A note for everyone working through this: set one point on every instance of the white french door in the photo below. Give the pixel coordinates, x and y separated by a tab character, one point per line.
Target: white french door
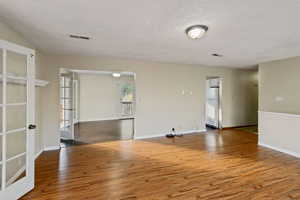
66	103
17	95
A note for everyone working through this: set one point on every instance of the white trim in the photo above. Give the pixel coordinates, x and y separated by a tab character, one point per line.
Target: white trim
102	72
16	130
41	83
16	104
51	148
23	80
279	149
16	156
164	134
4	108
106	119
240	126
15	48
16	176
279	113
39	153
150	136
193	131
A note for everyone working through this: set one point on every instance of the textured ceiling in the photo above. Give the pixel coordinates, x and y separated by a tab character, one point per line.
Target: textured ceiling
246	32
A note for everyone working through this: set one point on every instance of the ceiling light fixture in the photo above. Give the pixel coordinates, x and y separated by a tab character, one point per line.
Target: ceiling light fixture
196	31
116	75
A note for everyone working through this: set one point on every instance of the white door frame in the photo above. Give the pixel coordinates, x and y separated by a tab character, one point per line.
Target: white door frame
24	185
220	113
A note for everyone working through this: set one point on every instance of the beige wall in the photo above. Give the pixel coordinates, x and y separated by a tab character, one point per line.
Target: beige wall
244	85
160	103
279	86
279	103
100	96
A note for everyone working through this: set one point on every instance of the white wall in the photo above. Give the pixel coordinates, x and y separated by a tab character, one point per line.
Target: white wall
100	96
280	131
160	103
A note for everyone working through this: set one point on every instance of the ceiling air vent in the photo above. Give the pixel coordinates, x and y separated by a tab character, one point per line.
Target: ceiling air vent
217	55
80	37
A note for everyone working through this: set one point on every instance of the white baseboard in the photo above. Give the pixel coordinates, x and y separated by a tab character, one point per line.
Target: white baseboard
51	148
193	131
150	136
279	149
164	134
239	126
105	119
39	153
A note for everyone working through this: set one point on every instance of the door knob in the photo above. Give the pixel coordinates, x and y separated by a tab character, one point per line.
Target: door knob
32	126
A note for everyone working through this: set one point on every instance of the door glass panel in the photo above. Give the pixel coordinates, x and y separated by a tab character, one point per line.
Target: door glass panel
16	93
67	115
1	70
65	93
15	169
1	130
16	64
15	144
0	176
1	116
1	59
16	138
67	104
15	117
67	82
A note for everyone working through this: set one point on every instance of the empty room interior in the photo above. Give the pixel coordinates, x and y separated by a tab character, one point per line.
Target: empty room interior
148	100
96	106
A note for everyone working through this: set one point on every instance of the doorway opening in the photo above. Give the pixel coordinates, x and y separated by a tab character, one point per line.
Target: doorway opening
213	108
96	106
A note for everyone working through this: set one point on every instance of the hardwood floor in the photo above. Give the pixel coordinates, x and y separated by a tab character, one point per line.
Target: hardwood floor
214	165
102	131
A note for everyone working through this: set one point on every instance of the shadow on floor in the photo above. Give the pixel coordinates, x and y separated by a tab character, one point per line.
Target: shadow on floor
101	131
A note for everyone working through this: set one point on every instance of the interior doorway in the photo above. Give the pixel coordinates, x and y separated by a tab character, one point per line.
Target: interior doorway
213	108
96	106
67	110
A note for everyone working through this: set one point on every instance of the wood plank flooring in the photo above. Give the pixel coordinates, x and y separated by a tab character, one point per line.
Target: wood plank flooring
214	165
102	131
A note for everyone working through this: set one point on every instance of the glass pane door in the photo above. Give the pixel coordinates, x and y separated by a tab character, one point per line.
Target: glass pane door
15	103
17	94
66	106
1	116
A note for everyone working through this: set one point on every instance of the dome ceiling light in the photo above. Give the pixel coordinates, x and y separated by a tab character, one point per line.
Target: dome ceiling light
196	32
